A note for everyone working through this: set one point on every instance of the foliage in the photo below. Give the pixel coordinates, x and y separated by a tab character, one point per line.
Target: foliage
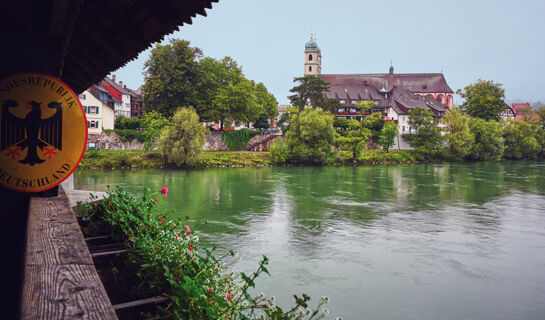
99	159
331	105
488	141
171	76
182	141
169	259
374	121
236	140
131	134
154	123
213	75
285	119
387	136
279	152
521	140
122	123
354	138
310	137
428	136
459	138
483	99
340	123
541	113
236	102
310	90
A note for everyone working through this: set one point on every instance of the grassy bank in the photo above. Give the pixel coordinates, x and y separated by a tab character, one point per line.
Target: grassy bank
117	159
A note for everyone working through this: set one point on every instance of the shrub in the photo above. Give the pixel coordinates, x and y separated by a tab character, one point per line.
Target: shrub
236	140
131	134
123	123
169	260
488	142
181	143
521	140
279	152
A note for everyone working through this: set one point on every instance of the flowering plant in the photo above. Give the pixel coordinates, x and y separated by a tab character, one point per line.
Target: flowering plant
170	259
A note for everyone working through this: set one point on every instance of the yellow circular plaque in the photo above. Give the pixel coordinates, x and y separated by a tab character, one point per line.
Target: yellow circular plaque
43	132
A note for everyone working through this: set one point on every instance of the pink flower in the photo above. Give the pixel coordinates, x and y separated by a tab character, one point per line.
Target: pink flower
186	235
164	191
215	265
191	248
155	201
187	229
176	238
211	290
229	296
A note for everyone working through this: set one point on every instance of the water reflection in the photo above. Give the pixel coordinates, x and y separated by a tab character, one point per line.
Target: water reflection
449	241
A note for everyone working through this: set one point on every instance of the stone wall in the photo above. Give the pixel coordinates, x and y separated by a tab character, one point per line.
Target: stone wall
112	141
214	142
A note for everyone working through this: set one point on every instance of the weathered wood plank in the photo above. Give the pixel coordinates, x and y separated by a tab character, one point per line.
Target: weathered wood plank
137	303
64	292
53	234
60	279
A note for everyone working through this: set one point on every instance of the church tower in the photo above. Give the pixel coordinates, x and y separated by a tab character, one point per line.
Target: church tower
313	58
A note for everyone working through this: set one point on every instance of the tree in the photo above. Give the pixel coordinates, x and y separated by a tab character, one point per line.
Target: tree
428	135
214	74
483	99
181	143
310	137
236	102
171	75
459	137
268	104
331	105
541	113
309	91
354	138
521	140
488	141
154	123
387	137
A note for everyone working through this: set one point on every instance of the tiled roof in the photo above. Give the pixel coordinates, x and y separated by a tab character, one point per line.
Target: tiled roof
415	82
118	87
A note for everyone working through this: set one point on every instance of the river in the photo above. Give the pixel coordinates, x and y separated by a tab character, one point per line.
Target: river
422	241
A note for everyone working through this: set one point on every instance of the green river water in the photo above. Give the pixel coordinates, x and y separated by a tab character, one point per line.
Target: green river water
423	241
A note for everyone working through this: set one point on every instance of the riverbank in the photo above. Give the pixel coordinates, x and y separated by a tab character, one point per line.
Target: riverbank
143	159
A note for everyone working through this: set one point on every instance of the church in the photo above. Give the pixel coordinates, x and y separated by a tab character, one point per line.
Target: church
395	93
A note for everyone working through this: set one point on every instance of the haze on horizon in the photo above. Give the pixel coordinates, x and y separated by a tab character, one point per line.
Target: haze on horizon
493	40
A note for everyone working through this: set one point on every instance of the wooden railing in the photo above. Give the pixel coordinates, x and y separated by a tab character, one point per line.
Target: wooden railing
60	279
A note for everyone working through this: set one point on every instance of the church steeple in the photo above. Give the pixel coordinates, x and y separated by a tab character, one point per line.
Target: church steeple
313	57
391	68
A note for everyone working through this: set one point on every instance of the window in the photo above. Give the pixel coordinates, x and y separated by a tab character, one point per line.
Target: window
310	68
82	97
309	57
354	101
342	101
403	129
91	110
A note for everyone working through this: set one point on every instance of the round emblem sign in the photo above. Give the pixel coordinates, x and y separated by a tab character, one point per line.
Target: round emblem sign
43	132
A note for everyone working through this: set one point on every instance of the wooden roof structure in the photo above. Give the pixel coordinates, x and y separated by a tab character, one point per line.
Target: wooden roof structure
81	41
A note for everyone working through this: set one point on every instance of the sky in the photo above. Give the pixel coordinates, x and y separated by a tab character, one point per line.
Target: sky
497	40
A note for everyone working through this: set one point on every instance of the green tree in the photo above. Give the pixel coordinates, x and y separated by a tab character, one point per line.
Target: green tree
388	134
541	113
214	74
310	137
268	104
459	137
182	141
310	90
354	138
521	140
483	99
428	136
236	102
171	75
154	123
331	105
488	141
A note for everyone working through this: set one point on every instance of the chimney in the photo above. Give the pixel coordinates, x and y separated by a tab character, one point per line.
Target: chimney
121	84
113	77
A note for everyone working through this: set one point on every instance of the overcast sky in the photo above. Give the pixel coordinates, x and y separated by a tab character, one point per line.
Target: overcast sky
497	40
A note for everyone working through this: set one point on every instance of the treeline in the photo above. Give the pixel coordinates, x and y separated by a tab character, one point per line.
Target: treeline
178	75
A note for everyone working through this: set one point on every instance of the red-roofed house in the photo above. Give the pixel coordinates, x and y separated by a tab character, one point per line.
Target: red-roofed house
523	112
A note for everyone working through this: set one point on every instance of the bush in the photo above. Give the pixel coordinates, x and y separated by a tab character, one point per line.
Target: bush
310	137
123	123
521	140
236	140
488	142
279	152
181	143
131	134
170	261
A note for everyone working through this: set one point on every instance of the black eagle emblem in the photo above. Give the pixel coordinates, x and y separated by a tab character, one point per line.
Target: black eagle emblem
32	131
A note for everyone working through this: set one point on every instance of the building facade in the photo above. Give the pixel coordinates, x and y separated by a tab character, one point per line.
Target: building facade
395	94
97	111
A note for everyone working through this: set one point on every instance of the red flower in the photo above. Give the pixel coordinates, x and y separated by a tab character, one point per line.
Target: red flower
155	201
191	248
176	238
164	191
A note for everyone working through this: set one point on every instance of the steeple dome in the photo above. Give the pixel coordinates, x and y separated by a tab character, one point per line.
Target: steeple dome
311	44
